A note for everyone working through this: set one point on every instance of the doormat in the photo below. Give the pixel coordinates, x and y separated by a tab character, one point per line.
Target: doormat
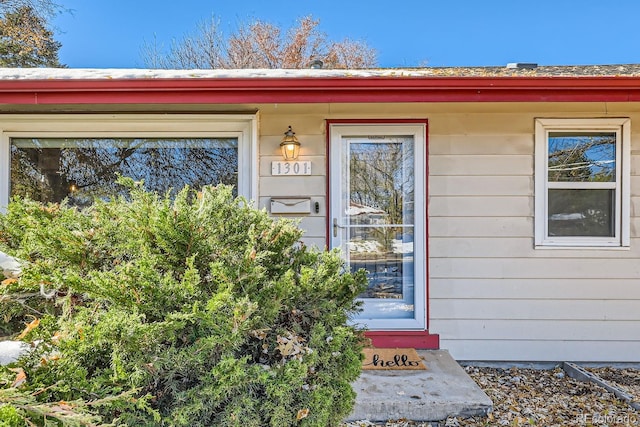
392	359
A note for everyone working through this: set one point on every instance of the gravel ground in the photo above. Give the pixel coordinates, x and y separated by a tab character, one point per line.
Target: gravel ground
548	398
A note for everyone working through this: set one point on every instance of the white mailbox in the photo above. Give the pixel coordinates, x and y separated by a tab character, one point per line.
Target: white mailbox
290	205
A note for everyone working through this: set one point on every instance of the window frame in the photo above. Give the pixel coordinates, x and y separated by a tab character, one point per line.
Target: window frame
622	128
244	127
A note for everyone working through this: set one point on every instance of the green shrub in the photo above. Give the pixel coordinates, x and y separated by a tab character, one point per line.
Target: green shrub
192	311
10	417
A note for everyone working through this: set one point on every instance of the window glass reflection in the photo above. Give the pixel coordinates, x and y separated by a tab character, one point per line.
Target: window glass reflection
581	212
378	222
81	169
386	254
582	157
381	181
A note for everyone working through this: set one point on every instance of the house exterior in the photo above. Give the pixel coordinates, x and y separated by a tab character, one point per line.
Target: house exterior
494	209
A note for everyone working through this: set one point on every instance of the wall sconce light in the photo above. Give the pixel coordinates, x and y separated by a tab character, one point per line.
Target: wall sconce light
290	145
73	187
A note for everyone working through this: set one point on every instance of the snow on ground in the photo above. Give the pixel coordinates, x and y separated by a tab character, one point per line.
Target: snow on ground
9	266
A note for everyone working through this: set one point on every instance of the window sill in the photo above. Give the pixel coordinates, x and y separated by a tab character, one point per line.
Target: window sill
582	247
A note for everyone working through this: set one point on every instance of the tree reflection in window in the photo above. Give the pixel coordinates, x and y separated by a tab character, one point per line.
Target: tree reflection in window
381	177
581	184
381	213
582	157
81	169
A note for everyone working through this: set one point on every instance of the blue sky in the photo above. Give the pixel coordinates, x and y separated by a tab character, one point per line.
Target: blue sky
110	33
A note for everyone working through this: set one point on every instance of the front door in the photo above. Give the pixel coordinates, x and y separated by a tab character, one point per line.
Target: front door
378	217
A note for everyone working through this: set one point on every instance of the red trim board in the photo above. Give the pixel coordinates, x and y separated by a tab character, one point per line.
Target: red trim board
320	90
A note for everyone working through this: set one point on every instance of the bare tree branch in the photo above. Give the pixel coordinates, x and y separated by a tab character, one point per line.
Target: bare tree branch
258	44
44	9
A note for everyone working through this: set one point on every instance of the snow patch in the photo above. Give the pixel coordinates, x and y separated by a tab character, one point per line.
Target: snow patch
139	73
10	266
10	351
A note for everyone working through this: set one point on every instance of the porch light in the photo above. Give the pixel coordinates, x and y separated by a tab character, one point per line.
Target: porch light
290	145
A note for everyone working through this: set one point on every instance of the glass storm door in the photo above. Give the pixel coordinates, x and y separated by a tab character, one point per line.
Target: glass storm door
378	217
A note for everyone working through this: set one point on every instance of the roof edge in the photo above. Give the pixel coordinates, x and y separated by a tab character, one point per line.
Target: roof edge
329	88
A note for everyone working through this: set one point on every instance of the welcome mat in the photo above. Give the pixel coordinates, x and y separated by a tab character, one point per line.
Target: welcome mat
392	359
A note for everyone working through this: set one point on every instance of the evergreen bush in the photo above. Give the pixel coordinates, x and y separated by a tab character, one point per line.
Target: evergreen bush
193	310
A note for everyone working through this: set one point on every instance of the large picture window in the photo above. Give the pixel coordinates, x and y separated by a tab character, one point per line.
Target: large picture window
582	180
82	169
79	165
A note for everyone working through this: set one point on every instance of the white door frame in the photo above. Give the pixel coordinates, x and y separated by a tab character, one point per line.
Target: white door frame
337	168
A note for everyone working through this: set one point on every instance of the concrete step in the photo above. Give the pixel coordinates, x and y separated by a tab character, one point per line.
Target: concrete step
443	390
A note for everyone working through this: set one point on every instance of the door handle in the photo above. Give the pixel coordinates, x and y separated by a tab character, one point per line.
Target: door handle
336	226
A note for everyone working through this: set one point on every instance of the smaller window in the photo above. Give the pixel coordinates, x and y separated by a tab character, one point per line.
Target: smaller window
582	182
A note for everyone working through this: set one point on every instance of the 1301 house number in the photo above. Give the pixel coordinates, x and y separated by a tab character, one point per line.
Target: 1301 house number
291	168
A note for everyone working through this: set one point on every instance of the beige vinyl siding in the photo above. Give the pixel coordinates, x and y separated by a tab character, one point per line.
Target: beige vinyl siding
516	186
546	329
310	132
492	295
534	289
482	165
518	247
515	349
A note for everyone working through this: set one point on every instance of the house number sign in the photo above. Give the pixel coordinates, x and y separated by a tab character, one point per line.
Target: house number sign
291	168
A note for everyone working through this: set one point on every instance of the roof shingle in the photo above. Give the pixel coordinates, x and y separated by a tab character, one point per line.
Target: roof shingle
620	70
